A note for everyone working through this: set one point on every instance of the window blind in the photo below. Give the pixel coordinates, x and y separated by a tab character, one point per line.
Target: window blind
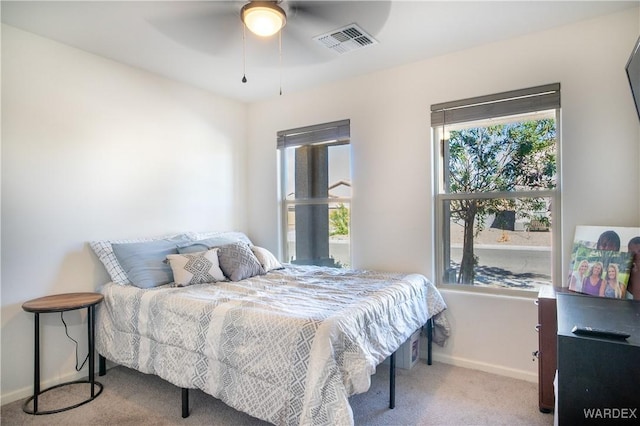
507	103
338	131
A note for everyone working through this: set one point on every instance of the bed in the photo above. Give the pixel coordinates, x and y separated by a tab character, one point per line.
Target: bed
288	345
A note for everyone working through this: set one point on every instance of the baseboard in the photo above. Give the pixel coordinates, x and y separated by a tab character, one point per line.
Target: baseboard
488	368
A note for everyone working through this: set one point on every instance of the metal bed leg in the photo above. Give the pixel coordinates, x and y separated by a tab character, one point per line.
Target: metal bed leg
392	381
185	403
102	365
429	339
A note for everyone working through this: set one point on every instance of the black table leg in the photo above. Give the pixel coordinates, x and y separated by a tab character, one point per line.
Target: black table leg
36	366
91	330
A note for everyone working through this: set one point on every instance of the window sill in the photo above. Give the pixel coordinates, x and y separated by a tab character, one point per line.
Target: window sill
489	291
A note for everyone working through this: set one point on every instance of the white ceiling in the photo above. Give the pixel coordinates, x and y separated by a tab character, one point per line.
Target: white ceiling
200	43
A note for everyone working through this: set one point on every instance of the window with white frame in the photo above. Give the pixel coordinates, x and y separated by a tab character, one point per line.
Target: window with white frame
497	189
315	181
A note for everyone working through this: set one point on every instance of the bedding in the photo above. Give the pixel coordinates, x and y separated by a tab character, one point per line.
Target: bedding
145	253
289	346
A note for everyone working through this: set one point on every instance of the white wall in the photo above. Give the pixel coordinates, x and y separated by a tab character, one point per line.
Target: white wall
93	149
392	154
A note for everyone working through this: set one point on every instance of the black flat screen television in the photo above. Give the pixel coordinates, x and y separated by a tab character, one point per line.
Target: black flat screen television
633	73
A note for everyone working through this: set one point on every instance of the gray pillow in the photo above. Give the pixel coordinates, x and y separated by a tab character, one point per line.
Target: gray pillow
238	262
204	245
144	263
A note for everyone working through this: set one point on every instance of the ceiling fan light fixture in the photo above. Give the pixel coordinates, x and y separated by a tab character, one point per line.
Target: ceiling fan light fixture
263	18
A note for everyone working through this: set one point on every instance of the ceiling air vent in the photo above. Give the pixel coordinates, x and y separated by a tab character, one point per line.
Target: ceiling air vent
346	39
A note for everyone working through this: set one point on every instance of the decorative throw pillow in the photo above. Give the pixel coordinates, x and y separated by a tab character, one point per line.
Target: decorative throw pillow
195	268
238	262
266	259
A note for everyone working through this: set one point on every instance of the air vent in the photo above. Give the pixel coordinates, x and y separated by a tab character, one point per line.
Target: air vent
346	39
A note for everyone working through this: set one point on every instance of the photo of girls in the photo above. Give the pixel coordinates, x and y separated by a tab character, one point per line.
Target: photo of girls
602	262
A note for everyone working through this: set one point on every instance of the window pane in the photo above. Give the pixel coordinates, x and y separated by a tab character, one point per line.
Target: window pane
289	157
318	171
516	153
319	234
506	243
340	171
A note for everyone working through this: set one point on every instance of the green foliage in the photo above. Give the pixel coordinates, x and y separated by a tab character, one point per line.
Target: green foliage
505	157
339	220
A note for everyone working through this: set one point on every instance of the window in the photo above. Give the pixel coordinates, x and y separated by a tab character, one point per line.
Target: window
497	198
315	178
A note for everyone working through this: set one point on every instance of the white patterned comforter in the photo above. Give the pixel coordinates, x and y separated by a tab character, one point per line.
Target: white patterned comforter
288	347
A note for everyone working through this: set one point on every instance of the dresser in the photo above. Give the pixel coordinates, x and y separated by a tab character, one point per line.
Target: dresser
598	378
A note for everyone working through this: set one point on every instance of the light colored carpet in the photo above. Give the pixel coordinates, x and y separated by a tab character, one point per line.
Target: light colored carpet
439	394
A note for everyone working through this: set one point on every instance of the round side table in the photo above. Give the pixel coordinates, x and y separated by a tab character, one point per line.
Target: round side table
63	303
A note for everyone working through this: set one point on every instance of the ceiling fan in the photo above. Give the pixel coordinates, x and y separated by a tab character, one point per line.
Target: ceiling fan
216	28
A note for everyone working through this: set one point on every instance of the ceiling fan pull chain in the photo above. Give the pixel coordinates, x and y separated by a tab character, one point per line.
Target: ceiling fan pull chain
244	54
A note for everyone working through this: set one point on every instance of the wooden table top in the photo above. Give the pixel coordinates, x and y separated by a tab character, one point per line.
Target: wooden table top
62	302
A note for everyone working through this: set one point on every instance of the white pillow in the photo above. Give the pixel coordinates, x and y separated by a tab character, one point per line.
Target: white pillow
195	268
266	259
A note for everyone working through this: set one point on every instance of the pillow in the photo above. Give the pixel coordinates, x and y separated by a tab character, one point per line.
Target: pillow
204	245
230	235
104	250
195	268
144	263
266	259
238	262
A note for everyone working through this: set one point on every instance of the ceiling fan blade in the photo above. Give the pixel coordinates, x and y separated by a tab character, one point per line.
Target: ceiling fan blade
325	16
213	28
298	48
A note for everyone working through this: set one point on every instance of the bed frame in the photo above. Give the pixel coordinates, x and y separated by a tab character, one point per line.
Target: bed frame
102	370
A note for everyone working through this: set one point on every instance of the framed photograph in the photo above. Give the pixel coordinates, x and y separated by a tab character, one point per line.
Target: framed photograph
601	260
